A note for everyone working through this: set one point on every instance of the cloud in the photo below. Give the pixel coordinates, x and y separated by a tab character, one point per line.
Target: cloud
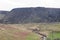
10	4
51	3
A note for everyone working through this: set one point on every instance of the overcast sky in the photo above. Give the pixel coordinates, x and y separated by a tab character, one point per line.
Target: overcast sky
10	4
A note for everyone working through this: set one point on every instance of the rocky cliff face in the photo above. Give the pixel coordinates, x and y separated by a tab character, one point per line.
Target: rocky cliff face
30	15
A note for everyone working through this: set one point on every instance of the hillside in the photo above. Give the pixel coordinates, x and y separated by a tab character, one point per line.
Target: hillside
31	15
23	32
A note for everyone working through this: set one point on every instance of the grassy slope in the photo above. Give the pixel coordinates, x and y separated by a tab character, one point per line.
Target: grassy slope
54	35
19	31
15	32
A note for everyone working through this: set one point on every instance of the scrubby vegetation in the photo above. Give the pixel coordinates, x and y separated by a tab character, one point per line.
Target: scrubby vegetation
22	31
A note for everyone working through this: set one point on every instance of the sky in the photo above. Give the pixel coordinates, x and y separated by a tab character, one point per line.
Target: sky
10	4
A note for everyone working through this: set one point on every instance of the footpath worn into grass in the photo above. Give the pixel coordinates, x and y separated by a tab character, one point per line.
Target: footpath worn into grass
20	31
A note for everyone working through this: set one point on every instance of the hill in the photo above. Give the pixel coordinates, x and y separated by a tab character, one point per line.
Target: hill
32	15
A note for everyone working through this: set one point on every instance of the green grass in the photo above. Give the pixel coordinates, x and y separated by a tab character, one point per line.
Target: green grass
54	35
32	36
13	31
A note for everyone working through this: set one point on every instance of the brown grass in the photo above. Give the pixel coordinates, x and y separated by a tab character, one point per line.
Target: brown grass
20	31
